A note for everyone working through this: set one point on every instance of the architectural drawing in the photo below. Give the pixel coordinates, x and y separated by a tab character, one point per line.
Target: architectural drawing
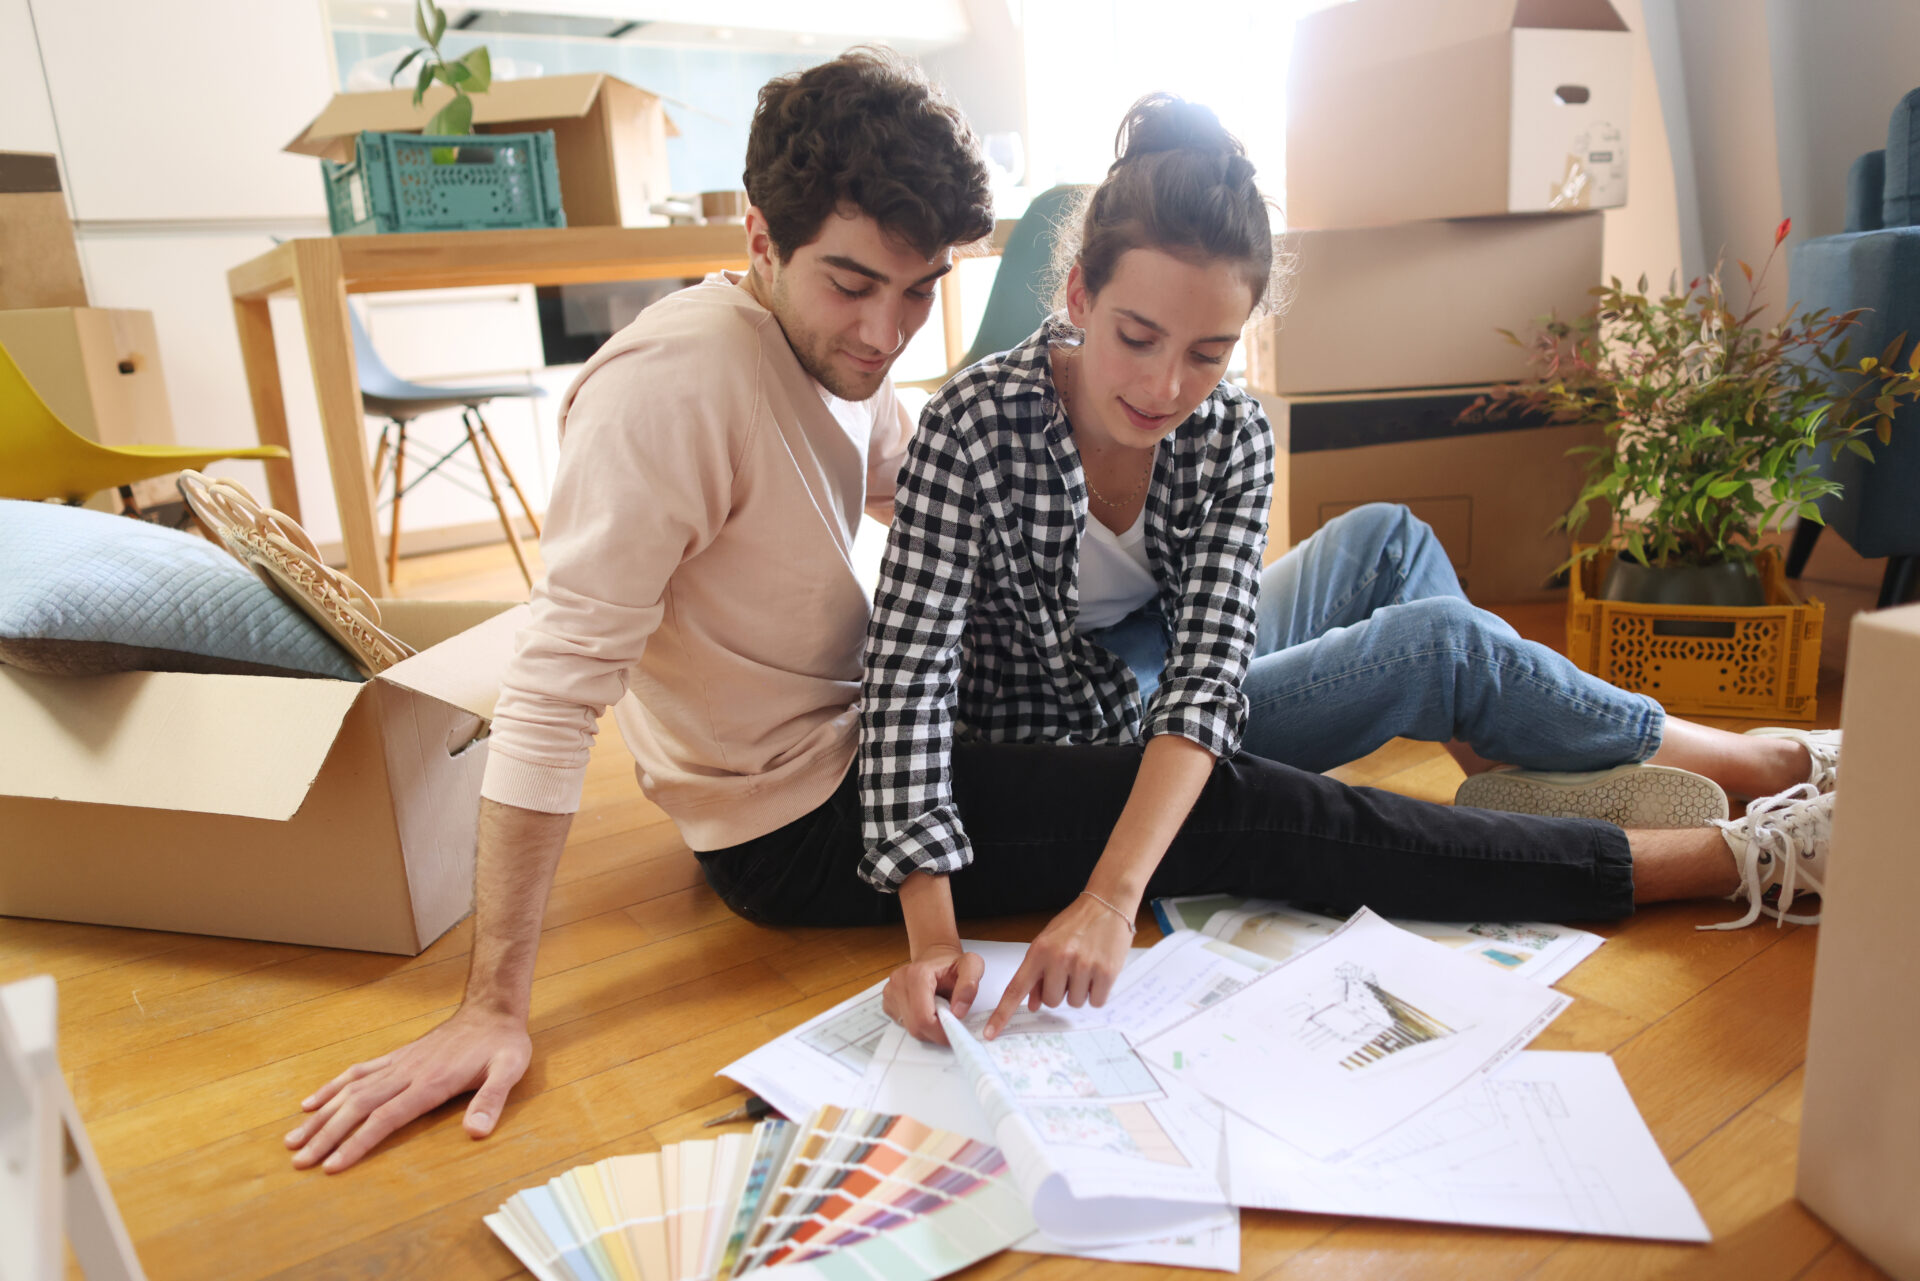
1362	1019
849	1038
1121	1129
1092	1064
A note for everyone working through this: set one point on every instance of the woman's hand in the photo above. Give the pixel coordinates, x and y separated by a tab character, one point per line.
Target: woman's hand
941	969
1076	958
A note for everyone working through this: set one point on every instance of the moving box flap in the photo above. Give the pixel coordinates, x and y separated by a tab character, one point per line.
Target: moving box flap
332	133
463	670
248	746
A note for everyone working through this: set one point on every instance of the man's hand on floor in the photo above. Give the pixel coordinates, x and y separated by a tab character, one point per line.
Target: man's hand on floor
474	1050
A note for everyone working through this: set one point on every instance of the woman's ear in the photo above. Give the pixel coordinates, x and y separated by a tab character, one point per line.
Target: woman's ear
1079	301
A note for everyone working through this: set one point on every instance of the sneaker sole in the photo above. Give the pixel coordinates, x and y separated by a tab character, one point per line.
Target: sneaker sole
1632	796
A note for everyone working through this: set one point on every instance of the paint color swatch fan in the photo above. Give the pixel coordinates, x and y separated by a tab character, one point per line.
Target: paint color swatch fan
850	1193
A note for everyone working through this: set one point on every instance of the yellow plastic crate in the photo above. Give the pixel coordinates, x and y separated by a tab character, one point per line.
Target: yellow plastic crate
1702	660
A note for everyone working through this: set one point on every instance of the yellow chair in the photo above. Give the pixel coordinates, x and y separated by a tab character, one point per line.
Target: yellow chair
41	457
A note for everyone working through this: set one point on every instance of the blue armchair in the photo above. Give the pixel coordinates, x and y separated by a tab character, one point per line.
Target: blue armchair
1874	263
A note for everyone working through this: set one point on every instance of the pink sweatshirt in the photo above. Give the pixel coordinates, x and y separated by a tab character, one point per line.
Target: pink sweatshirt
698	575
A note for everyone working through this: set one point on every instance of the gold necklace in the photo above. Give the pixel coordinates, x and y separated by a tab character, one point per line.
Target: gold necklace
1111	504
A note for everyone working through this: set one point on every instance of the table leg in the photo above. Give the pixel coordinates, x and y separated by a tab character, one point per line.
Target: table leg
322	290
262	363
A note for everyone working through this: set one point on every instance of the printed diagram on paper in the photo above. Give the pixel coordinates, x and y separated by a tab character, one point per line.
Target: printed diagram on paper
1350	1037
1041	1068
1551	1141
1360	1023
848	1036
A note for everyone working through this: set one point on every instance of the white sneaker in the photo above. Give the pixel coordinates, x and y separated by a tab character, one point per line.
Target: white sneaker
1782	841
1823	745
1637	796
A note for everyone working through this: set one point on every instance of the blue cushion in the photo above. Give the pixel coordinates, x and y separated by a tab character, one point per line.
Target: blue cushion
83	591
1900	203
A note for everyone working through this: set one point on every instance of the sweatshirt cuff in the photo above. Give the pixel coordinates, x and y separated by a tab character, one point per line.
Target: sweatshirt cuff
546	789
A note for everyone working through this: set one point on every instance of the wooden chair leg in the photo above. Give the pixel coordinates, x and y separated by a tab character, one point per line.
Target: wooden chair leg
506	521
380	459
486	434
399	477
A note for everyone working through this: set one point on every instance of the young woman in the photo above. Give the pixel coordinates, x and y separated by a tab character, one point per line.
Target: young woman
1074	562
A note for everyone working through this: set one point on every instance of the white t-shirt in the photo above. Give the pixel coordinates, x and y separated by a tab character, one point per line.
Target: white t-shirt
1116	577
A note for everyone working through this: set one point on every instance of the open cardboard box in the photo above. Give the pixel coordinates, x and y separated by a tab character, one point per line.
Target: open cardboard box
308	811
39	262
609	137
1400	110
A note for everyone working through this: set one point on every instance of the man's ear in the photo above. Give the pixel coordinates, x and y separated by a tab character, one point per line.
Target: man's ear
760	251
1079	301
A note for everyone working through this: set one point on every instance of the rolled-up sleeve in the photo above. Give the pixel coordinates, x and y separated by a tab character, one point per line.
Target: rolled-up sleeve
1213	623
910	689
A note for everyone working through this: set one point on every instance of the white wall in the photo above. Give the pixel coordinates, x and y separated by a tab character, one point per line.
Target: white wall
1839	66
26	118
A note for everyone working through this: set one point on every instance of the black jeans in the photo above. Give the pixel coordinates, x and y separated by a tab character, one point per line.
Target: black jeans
1039	817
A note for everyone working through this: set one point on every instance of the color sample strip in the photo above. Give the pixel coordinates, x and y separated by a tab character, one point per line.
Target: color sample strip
852	1194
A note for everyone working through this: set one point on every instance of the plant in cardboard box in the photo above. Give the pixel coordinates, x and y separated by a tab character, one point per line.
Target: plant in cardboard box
1712	419
470	73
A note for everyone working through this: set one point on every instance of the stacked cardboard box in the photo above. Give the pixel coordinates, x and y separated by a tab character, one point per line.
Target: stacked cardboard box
1446	162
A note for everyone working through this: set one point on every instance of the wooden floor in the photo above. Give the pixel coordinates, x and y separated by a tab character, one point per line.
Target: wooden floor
188	1057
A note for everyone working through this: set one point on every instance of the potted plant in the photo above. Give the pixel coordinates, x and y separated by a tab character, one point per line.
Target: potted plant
470	73
1712	418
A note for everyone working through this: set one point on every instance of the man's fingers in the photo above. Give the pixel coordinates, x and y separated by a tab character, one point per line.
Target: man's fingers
320	1096
381	1122
967	986
353	1107
503	1073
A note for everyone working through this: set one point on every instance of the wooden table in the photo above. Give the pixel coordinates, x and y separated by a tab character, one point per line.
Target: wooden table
321	272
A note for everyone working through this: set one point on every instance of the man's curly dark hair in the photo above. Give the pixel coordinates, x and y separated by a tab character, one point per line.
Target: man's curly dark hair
867	130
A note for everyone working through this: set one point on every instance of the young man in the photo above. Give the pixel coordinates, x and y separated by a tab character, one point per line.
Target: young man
718	455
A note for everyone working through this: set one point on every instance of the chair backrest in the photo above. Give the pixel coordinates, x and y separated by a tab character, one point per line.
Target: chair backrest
1018	301
1900	206
40	456
375	378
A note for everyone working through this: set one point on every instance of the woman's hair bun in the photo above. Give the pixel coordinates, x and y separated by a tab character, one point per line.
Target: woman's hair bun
1163	122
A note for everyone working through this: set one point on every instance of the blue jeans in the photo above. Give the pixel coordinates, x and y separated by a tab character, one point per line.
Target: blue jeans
1364	635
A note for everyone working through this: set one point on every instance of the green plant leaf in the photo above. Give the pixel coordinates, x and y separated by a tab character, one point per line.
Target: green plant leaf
1860	447
422	82
439	24
420	19
411	55
452	73
480	64
454	118
1725	488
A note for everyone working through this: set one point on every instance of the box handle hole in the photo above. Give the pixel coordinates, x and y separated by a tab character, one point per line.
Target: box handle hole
1572	95
1700	628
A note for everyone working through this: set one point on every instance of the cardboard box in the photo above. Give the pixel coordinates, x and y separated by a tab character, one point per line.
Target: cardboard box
1860	1115
39	263
1490	491
1420	304
610	138
1400	110
99	370
313	811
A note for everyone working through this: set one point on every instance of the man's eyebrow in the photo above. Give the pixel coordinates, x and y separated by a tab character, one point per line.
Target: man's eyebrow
859	268
1139	319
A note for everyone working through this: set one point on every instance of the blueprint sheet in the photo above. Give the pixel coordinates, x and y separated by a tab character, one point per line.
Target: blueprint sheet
1550	1141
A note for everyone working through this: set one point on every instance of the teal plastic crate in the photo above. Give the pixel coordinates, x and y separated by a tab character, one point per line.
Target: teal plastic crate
422	182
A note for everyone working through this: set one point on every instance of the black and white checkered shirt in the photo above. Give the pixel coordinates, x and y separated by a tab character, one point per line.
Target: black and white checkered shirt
973	631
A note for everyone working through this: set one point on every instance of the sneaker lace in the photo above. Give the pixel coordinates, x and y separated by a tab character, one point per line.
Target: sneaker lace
1825	755
1774	833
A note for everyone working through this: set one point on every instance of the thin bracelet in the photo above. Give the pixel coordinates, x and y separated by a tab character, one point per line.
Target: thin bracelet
1111	908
